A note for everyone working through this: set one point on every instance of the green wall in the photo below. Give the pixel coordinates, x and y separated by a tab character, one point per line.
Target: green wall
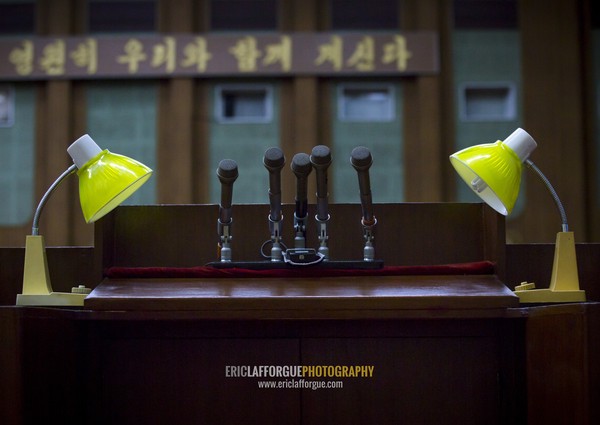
246	144
17	160
384	140
121	117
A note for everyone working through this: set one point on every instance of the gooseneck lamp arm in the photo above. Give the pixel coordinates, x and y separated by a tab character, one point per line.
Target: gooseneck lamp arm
561	209
35	229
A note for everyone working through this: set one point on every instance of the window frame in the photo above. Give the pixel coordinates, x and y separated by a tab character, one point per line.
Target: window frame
218	104
9	90
510	111
390	113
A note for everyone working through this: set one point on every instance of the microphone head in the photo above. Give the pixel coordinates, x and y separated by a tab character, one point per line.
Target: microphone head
320	156
227	171
361	158
301	165
274	159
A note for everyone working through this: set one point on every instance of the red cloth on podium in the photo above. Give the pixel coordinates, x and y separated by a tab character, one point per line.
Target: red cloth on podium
473	268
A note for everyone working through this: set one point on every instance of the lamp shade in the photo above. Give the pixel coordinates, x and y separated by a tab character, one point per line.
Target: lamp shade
106	179
493	170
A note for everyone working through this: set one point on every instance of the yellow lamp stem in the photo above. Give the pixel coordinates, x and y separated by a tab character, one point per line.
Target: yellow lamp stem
106	180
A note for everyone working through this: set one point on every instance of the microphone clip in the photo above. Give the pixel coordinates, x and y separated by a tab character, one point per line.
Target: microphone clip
369	235
323	236
300	231
276	250
224	232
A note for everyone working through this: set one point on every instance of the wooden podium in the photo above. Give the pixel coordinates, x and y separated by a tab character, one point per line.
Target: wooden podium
154	347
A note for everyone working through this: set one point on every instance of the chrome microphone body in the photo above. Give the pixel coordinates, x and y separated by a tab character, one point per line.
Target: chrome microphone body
301	167
274	160
227	172
320	159
361	160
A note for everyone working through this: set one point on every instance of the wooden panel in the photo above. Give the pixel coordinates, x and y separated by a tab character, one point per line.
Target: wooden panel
456	376
174	116
552	114
557	365
422	115
406	234
117	368
174	159
53	362
11	384
156	378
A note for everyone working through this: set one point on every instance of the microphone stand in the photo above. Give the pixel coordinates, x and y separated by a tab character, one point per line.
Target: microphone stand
323	236
301	167
300	230
369	235
227	172
361	160
274	160
321	159
224	231
276	251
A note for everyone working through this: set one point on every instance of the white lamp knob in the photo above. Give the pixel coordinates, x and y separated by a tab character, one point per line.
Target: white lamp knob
82	150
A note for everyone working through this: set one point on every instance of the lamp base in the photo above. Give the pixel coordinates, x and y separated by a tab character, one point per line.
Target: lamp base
37	289
52	299
564	284
533	296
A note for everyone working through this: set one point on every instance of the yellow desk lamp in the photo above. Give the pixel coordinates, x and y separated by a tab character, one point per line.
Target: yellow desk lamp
105	180
493	172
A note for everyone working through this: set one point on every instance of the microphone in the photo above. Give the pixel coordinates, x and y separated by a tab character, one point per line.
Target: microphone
321	159
361	160
227	173
301	167
274	161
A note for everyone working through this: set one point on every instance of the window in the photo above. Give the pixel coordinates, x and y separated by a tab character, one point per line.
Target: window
248	103
487	102
17	155
7	105
17	18
106	16
364	14
365	102
243	15
485	14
